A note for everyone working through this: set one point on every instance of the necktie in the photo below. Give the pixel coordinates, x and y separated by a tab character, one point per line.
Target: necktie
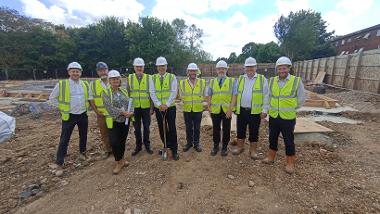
220	82
162	79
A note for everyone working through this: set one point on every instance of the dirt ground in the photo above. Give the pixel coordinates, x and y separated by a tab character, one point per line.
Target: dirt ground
343	180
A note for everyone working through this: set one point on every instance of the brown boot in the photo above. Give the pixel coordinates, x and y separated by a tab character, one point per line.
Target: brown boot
253	150
119	166
239	147
270	157
289	168
234	142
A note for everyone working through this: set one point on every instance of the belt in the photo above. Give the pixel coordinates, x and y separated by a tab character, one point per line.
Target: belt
246	109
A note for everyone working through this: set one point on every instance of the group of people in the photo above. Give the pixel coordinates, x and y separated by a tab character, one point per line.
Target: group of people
250	96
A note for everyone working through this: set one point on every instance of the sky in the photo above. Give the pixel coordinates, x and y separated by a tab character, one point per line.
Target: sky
227	24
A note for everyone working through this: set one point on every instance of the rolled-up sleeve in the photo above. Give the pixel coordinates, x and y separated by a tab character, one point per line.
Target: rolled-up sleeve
266	96
301	95
235	87
208	89
173	91
112	111
152	92
53	98
90	95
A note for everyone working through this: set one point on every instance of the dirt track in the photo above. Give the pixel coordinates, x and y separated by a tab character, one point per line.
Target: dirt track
346	180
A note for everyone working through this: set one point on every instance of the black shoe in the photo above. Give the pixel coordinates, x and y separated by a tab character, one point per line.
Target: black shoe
198	148
160	152
187	147
224	152
214	151
149	150
175	156
134	153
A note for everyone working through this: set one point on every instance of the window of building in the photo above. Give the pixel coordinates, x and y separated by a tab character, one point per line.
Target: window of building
355	50
378	46
349	40
343	42
361	49
358	37
366	36
342	53
378	33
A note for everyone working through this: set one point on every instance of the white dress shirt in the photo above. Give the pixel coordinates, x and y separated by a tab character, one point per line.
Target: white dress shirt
300	92
77	99
173	91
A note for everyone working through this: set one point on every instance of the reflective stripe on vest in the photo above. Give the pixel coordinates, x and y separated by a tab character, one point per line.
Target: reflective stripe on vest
97	90
139	91
221	96
163	91
257	100
283	101
64	98
192	98
108	92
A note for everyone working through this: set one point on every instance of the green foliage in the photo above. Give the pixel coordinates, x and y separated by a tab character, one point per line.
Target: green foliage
304	27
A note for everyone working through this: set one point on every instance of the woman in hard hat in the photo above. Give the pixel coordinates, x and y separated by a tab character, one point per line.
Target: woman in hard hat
286	95
118	112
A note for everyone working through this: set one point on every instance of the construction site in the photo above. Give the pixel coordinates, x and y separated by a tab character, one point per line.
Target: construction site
338	166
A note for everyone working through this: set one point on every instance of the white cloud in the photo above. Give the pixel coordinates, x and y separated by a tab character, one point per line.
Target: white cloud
351	15
63	11
284	7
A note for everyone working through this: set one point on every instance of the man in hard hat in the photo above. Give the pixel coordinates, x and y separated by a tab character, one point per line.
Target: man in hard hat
97	88
73	98
286	94
251	106
221	104
192	91
163	90
138	87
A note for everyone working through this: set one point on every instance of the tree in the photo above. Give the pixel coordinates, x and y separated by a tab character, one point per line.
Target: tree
304	27
232	58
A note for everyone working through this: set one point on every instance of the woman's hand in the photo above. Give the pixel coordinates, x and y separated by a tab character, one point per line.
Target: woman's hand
127	114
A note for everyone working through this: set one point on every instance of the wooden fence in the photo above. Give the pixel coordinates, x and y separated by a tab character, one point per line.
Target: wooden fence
359	71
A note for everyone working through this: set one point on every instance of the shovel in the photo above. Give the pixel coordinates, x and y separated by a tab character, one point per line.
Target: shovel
165	155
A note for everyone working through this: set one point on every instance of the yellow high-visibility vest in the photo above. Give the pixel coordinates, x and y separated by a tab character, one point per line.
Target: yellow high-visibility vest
284	101
108	92
257	94
192	97
97	90
139	91
163	91
221	96
64	98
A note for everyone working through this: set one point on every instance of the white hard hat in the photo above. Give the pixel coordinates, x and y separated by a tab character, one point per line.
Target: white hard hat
192	66
283	61
138	62
250	61
161	61
113	73
74	65
221	64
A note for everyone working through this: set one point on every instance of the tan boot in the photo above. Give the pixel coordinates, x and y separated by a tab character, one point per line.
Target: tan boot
253	150
234	142
118	166
270	157
290	160
239	147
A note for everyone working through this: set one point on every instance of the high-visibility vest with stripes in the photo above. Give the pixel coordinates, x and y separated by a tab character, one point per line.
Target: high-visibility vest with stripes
64	98
97	90
108	92
283	101
192	97
163	90
257	100
139	91
221	96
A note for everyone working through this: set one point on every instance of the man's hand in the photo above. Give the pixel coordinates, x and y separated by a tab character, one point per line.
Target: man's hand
229	114
128	114
163	107
263	115
151	111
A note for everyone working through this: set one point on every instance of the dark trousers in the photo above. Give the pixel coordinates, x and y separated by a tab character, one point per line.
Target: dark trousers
244	119
81	120
286	128
118	137
171	130
142	115
217	120
193	126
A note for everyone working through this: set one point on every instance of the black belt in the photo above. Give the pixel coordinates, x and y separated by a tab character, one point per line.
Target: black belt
246	109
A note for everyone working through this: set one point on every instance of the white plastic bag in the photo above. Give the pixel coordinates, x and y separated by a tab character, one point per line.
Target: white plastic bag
7	126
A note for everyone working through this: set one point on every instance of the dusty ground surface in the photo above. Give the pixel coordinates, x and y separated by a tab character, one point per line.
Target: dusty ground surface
343	180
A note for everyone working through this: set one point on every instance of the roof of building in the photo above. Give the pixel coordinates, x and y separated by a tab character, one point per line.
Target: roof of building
357	32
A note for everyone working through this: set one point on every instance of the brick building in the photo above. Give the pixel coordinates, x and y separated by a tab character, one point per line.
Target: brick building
362	40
